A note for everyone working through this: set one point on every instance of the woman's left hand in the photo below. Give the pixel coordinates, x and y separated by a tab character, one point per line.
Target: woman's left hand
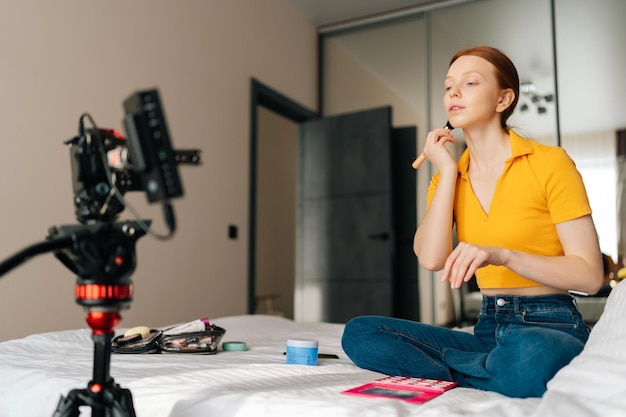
465	259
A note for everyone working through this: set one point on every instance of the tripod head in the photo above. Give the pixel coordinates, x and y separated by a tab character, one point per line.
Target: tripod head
103	257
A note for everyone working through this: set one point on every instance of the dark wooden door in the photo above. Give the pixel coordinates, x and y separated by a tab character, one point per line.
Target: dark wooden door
345	231
404	185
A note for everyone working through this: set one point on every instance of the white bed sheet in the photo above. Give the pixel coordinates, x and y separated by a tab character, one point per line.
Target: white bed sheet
37	370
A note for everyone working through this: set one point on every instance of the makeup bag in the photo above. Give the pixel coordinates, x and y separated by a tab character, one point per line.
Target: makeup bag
202	342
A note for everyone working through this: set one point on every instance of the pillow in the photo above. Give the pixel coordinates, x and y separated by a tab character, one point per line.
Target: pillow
594	383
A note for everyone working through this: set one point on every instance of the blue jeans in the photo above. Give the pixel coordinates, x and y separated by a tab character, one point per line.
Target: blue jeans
518	345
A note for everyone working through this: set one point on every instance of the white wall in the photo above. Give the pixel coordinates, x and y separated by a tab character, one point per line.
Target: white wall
595	156
62	58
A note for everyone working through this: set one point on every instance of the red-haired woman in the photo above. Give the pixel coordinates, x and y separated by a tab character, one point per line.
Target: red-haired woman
524	228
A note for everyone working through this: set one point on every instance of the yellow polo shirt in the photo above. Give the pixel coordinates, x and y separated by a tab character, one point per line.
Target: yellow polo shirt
539	187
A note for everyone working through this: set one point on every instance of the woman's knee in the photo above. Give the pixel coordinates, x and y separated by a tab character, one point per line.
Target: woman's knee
526	359
530	345
355	331
357	326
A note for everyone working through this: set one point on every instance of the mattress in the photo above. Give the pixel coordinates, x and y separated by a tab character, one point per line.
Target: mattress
37	370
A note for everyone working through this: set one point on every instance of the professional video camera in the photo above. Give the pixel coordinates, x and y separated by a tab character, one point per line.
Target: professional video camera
100	250
105	165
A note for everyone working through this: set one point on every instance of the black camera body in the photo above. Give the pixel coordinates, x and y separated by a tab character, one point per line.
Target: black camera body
105	164
95	197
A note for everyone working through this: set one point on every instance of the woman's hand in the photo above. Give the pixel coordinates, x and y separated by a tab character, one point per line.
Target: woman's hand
465	259
435	150
579	269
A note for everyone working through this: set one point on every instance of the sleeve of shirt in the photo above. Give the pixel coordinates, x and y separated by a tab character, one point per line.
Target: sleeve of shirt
566	195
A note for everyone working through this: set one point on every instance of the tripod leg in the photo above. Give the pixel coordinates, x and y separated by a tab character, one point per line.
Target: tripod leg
121	402
113	401
68	406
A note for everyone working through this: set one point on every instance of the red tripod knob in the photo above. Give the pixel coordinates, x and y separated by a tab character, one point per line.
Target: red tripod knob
103	322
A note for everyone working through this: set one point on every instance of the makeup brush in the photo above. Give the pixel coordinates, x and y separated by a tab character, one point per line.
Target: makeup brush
421	158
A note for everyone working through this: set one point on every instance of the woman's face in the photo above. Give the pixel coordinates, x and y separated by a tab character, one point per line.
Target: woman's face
472	94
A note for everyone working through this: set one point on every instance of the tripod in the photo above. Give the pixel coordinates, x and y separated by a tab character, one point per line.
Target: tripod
102	254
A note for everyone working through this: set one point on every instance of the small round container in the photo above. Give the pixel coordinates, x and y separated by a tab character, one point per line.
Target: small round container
302	352
234	346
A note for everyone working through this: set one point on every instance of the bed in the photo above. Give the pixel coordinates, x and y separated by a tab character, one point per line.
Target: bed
37	370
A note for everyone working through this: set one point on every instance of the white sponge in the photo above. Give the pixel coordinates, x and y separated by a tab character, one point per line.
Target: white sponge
142	330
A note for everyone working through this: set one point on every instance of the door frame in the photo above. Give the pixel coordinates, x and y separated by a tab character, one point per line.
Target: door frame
262	95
